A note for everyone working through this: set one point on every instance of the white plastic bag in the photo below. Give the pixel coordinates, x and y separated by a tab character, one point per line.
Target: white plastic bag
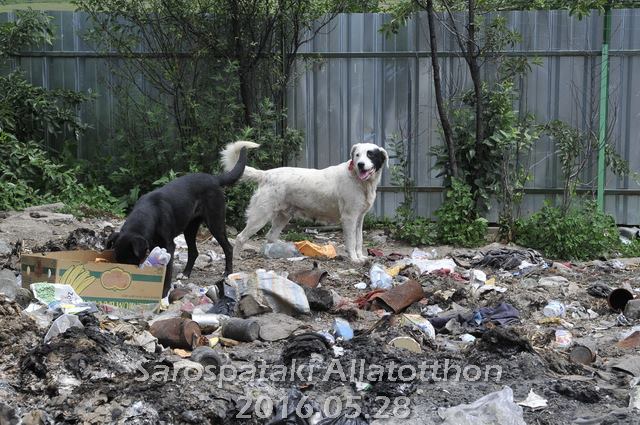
61	325
380	279
495	408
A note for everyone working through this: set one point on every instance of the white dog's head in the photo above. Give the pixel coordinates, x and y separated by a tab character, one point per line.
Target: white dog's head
367	159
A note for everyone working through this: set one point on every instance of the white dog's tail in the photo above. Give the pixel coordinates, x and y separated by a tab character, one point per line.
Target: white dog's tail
230	155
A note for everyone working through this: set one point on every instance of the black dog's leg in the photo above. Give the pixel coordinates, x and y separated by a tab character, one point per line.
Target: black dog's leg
218	230
171	248
167	279
190	237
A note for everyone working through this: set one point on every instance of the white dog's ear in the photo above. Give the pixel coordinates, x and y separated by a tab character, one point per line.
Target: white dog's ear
386	156
353	151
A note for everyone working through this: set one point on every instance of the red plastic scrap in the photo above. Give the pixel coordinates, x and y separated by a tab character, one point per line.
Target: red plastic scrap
365	299
375	252
448	273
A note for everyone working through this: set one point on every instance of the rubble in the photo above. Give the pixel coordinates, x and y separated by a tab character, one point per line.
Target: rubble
548	349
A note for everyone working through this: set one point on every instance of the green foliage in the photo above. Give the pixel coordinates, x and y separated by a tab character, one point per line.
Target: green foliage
576	151
274	151
32	112
632	249
371	222
492	167
458	222
294	236
416	231
29	28
30	177
580	233
29	115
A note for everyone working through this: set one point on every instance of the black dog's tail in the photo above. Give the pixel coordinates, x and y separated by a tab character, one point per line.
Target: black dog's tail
233	175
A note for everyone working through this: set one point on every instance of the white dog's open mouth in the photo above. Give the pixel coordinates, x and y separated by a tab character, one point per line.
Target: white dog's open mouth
365	174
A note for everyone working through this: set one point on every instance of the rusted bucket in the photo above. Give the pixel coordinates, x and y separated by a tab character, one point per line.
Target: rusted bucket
177	333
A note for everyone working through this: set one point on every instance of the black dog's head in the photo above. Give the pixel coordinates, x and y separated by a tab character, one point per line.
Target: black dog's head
129	248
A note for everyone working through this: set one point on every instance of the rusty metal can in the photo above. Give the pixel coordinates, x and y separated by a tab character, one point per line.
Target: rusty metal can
177	333
583	352
245	330
618	298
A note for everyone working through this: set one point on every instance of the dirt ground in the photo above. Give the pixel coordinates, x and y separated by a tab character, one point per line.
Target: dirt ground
93	375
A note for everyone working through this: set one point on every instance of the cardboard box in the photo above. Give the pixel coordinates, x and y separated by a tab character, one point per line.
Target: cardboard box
97	281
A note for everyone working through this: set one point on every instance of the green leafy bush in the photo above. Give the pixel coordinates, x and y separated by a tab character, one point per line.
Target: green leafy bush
30	177
580	233
458	223
417	231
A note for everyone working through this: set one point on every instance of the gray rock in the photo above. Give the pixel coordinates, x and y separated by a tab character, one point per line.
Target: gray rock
46	208
8	284
277	326
320	299
632	310
553	281
5	248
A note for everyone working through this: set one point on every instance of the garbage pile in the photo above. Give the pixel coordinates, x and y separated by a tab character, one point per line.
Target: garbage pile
498	335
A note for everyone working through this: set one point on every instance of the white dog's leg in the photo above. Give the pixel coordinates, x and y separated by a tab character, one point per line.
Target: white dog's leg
256	220
349	228
359	251
277	224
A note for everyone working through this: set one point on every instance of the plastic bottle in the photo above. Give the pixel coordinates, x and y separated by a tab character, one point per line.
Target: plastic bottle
157	257
281	250
554	309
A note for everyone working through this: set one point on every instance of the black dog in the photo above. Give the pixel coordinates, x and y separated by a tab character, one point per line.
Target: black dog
178	207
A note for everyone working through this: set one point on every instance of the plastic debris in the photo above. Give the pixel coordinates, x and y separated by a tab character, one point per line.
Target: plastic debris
495	408
311	249
554	309
431	311
534	401
429	266
360	285
158	257
564	339
48	293
467	338
342	329
418	254
269	289
61	325
406	343
420	323
281	250
380	279
508	259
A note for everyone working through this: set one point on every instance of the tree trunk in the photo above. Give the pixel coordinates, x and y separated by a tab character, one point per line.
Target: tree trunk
444	119
474	69
243	74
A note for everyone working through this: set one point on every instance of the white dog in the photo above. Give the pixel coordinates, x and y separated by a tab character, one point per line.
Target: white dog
341	193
